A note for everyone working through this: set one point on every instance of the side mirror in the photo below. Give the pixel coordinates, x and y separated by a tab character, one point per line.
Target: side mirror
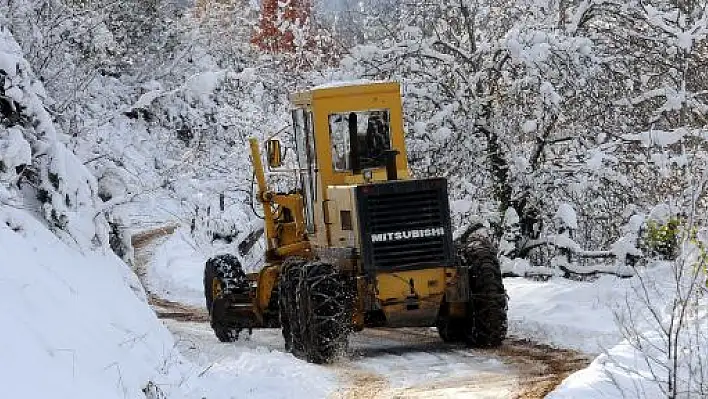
274	153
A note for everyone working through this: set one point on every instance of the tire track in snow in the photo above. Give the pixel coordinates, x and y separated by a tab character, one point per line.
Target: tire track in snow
144	244
414	363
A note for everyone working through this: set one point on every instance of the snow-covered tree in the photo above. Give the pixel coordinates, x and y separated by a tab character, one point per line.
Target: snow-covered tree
37	170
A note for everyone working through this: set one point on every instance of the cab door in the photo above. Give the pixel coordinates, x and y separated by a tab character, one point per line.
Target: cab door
307	161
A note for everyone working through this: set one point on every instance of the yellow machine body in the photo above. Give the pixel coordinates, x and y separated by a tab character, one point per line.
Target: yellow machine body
321	218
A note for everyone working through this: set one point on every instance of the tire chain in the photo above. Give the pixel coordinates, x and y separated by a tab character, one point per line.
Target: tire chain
322	322
287	297
469	253
231	274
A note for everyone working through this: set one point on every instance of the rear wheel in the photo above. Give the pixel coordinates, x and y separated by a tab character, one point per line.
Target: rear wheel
324	305
222	276
486	312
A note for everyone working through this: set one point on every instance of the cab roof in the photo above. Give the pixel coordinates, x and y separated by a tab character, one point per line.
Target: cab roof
344	89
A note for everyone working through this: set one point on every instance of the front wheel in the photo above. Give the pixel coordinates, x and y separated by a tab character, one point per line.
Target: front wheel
222	276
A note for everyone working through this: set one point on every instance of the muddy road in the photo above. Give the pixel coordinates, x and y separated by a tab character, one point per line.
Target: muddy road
382	363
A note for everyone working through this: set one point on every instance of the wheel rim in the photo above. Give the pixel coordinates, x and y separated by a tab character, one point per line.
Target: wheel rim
216	291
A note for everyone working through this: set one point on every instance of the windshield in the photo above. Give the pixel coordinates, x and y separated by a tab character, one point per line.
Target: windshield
372	134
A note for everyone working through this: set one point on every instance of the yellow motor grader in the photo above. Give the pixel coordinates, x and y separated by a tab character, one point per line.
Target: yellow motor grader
359	242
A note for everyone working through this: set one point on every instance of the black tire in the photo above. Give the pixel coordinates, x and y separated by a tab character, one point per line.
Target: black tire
223	275
450	330
287	303
486	311
324	306
226	334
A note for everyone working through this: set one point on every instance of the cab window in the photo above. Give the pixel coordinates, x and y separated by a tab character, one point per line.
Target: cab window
373	135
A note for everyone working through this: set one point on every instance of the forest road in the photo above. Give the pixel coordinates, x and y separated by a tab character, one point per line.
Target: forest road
382	362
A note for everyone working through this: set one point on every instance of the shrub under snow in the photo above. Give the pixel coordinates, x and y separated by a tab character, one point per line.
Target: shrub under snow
34	161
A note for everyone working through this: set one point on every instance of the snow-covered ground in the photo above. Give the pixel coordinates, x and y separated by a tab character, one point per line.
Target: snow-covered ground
565	313
584	316
627	323
415	363
662	322
257	367
560	312
77	326
383	363
176	270
56	300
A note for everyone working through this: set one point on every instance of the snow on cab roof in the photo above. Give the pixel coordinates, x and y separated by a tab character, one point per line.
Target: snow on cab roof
332	88
346	83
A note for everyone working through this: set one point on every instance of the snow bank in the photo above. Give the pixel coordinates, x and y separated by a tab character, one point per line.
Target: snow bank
656	357
583	315
564	313
78	327
79	323
176	270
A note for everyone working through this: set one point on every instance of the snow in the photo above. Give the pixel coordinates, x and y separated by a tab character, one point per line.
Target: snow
657	137
640	364
147	98
596	160
563	241
152	178
442	134
529	126
605	378
584	315
409	367
661	214
254	367
347	83
517	266
550	95
81	322
8	61
69	189
617	268
511	217
15	150
176	270
78	321
560	312
564	313
203	84
566	214
460	206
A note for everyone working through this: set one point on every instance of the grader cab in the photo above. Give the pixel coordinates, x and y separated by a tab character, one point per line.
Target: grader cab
358	243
